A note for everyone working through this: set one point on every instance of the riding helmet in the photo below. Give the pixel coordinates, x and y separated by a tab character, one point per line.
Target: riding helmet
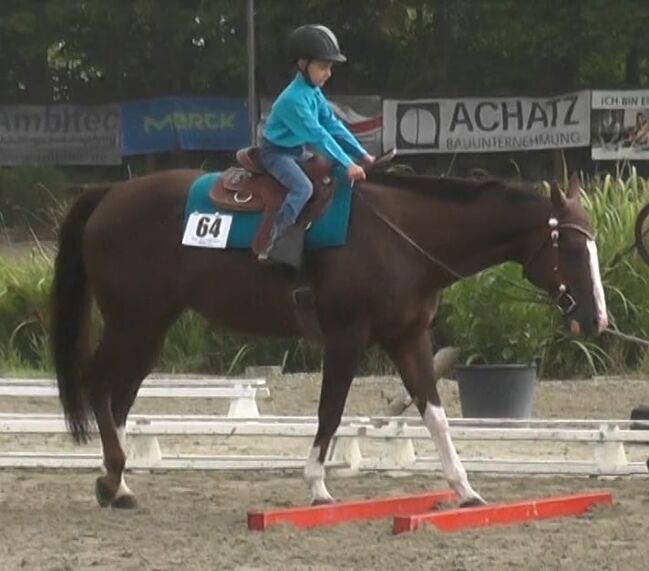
314	42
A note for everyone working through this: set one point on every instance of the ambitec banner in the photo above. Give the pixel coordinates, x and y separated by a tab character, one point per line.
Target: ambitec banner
191	123
361	114
620	125
481	125
59	135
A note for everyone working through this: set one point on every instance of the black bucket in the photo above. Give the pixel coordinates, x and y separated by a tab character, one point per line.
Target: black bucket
640	413
496	391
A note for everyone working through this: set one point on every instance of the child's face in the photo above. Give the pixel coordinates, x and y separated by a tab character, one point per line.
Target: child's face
319	71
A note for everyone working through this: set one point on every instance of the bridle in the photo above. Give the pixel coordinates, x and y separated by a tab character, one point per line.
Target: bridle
562	299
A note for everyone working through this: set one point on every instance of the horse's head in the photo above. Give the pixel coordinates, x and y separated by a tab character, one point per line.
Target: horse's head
564	263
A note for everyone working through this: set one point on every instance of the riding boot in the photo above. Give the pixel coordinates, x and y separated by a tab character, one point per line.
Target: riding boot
279	227
285	244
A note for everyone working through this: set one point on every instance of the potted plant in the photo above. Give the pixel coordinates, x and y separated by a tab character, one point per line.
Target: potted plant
495	318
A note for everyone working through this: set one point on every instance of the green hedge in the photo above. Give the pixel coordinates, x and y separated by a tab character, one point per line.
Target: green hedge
32	198
491	319
487	313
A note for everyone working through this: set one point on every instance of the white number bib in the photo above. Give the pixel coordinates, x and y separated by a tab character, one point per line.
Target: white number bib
207	230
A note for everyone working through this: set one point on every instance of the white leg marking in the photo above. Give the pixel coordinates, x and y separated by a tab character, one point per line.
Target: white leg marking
121	436
598	289
454	472
314	474
123	489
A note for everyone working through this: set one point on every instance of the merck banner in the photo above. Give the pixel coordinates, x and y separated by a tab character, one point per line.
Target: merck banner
475	125
191	123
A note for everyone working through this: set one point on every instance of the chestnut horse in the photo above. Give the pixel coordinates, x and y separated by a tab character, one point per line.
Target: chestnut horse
409	237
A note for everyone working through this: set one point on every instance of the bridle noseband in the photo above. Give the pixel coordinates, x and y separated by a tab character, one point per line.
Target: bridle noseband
563	299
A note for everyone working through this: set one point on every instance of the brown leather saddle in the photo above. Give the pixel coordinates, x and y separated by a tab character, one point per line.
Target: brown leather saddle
249	188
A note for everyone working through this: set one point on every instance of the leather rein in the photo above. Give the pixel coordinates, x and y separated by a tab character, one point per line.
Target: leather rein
562	299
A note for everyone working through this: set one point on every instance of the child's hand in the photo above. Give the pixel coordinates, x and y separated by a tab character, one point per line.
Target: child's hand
355	172
369	159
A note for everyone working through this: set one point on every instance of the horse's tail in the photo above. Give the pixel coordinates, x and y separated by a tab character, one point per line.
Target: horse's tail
71	304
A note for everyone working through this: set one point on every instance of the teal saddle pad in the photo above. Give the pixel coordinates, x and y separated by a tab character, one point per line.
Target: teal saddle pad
329	230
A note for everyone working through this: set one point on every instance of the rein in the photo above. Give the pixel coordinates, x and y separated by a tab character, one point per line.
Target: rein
563	300
408	239
626	336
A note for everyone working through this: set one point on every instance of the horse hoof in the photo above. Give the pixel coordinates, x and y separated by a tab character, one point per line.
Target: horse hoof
323	502
473	503
103	493
125	502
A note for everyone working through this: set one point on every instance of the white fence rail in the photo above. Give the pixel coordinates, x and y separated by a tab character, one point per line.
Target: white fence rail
606	437
241	392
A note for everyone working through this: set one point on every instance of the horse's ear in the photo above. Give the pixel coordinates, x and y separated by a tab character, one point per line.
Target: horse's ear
573	187
556	195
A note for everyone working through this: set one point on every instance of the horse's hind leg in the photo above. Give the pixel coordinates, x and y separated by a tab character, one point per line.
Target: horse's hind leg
342	353
123	358
124	389
413	356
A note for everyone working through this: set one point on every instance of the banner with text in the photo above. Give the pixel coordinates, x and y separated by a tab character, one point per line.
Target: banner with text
191	123
59	135
620	125
361	114
482	125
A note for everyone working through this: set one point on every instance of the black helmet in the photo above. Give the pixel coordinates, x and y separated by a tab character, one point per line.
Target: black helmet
314	42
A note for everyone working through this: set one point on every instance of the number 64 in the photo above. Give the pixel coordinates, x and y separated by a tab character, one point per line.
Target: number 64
203	228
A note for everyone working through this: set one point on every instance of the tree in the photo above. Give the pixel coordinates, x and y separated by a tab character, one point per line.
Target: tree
92	51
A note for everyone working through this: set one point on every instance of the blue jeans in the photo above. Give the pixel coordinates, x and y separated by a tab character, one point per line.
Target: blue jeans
284	165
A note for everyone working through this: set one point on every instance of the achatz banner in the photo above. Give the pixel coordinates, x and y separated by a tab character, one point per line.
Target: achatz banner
481	125
620	125
60	134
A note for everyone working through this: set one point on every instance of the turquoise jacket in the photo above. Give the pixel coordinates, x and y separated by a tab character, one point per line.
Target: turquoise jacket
302	115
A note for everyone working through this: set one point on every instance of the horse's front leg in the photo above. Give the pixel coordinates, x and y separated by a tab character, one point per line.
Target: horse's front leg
412	355
435	420
343	349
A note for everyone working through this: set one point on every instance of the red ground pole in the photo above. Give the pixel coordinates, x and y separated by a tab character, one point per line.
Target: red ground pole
315	516
502	514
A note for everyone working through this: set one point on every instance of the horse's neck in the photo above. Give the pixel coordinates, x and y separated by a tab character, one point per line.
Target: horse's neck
466	235
470	236
510	233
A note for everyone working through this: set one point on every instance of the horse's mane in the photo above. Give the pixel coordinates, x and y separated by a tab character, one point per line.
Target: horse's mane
458	189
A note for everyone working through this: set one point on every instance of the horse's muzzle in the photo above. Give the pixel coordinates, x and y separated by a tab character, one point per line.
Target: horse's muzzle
575	328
